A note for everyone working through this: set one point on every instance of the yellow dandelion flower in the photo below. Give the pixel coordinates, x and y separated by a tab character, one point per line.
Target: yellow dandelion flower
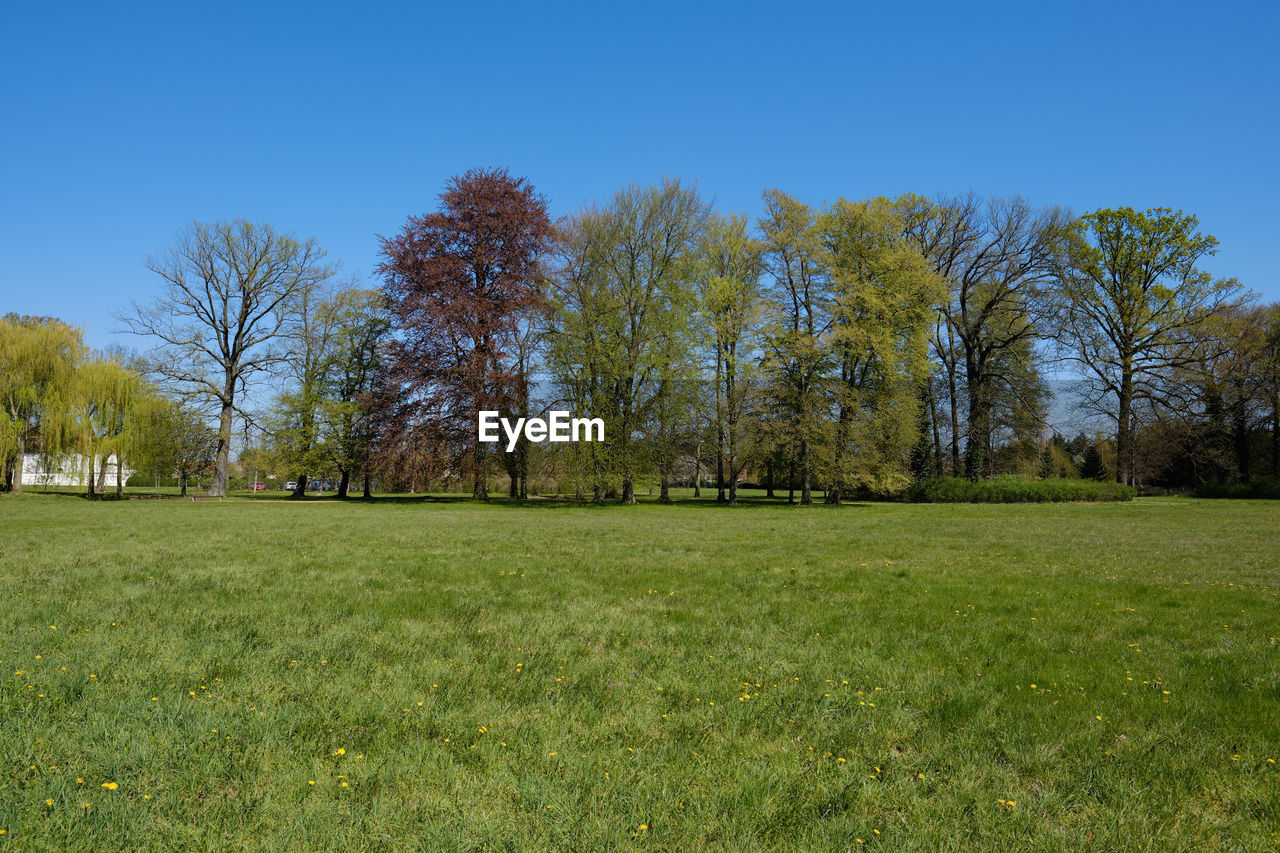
110	786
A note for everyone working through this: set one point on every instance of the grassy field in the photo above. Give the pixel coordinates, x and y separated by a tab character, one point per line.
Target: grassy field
444	676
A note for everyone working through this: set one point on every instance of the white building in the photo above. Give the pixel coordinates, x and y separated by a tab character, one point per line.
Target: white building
69	469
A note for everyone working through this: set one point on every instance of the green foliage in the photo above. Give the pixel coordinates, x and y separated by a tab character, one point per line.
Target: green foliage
1010	489
619	345
882	293
38	359
732	309
1139	308
1258	488
797	355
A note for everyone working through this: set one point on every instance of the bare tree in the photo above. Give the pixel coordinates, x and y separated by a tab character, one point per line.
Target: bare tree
1001	259
229	290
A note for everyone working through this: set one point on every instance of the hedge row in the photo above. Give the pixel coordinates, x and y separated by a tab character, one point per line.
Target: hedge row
1017	490
1264	488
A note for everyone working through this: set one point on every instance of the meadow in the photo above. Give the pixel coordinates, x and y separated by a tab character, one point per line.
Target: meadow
432	675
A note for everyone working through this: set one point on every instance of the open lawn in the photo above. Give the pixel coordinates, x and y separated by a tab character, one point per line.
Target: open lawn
256	674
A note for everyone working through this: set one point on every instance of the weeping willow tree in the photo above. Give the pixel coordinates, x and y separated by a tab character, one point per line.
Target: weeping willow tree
38	357
94	416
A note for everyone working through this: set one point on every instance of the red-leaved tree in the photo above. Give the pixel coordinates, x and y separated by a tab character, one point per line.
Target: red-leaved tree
460	283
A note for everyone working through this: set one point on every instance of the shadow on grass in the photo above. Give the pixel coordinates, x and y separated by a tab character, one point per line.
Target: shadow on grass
541	503
498	501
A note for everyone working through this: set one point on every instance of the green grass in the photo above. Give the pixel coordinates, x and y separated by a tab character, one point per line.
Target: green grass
920	677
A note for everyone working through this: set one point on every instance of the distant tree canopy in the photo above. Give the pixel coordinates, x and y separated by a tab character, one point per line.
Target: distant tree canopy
825	352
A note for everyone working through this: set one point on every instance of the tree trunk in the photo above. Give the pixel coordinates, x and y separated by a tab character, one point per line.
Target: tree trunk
119	476
628	490
368	487
977	460
720	498
955	420
791	482
697	470
92	482
344	483
218	488
1275	444
771	474
300	491
1124	437
806	488
833	490
479	483
20	461
524	472
184	486
937	437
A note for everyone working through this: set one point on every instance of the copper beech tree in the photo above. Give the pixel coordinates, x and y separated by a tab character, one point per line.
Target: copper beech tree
461	284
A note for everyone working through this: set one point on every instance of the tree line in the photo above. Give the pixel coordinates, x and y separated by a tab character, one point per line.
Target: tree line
843	350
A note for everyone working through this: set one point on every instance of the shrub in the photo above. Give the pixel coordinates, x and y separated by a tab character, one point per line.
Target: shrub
1264	488
1009	489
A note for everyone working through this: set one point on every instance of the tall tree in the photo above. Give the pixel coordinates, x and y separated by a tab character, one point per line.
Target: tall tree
1138	308
308	363
1270	371
579	340
732	304
797	353
623	301
882	295
943	232
1001	259
99	406
1233	381
38	357
457	282
359	325
229	293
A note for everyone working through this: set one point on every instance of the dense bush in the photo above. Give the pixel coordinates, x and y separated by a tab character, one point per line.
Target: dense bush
1017	490
1263	488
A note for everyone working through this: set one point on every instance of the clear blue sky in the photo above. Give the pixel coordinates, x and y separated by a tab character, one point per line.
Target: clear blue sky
123	122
